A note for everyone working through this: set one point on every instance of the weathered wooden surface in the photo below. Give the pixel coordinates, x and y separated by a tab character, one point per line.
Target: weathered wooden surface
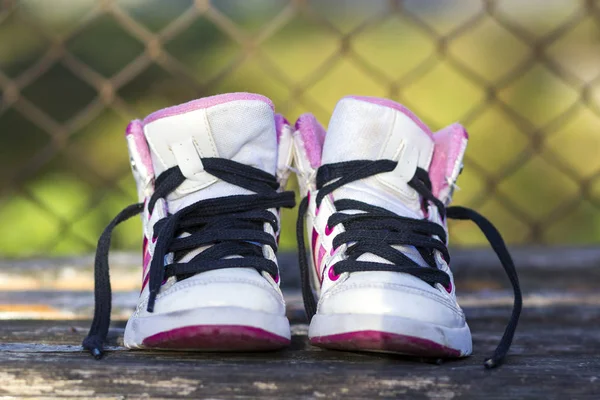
61	288
541	267
556	356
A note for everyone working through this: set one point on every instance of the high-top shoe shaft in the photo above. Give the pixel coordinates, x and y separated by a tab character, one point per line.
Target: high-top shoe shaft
381	310
221	309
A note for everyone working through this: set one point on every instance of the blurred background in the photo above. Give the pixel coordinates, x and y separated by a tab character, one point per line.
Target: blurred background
522	76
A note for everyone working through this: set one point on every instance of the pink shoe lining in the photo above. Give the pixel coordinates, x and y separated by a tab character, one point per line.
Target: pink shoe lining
205	102
136	129
448	150
396	106
280	123
217	338
385	341
313	137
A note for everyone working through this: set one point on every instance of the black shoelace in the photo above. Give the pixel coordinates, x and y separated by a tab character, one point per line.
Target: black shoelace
375	230
232	225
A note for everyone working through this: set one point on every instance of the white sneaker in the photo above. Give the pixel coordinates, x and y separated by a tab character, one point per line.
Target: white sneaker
209	199
377	186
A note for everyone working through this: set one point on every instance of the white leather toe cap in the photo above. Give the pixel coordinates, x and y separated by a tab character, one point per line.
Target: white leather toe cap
396	297
236	287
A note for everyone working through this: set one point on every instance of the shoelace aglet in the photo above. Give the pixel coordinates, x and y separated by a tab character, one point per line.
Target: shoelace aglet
94	343
97	353
491	363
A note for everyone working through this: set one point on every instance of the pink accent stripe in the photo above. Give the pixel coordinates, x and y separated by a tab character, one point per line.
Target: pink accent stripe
205	102
147	259
396	106
313	249
145	265
322	253
145	282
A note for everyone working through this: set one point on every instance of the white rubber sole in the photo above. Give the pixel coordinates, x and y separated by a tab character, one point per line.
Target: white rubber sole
209	329
391	334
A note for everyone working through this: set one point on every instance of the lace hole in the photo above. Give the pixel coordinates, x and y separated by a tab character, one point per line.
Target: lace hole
449	288
332	275
328	230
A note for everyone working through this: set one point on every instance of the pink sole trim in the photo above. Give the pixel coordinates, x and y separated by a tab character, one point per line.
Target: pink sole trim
205	102
385	341
216	338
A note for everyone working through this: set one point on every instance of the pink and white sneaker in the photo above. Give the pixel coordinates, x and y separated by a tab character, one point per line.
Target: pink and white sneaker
210	194
376	192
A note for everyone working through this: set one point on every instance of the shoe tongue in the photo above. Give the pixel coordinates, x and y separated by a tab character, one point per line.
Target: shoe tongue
369	128
236	126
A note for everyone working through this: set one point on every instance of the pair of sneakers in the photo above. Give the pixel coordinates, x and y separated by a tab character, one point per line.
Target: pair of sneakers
376	187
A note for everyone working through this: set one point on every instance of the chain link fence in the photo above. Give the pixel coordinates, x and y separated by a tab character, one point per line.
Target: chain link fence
523	76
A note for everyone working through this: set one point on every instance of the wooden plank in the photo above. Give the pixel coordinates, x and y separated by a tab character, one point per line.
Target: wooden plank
50	304
540	268
555	356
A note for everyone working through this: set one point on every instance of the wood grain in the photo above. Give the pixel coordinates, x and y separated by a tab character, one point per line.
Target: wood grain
555	356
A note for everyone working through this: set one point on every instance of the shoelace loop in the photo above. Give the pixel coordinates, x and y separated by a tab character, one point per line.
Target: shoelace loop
232	226
376	230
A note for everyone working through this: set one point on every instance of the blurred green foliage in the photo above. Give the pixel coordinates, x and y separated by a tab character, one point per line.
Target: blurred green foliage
523	77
